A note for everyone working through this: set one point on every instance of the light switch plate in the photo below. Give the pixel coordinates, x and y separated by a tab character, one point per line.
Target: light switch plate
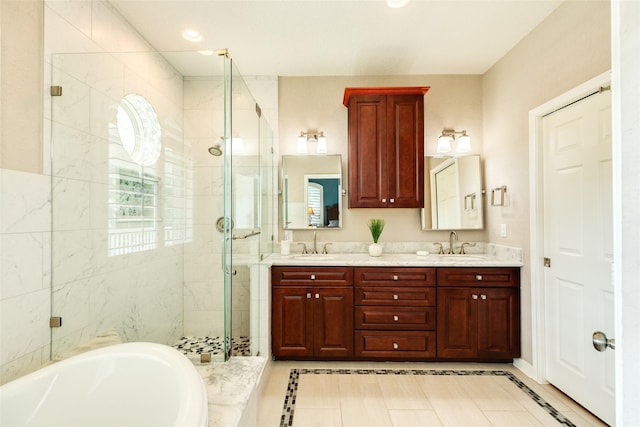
288	235
503	230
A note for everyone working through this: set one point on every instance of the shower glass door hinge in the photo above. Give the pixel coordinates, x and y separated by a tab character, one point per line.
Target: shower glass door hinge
56	90
55	322
547	262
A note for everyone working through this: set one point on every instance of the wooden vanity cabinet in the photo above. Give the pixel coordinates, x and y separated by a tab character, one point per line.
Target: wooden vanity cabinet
386	147
478	313
395	313
312	312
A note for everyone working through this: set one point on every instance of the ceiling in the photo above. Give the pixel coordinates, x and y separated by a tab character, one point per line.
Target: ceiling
339	37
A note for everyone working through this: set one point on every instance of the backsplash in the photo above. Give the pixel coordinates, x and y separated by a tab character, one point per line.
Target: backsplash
498	251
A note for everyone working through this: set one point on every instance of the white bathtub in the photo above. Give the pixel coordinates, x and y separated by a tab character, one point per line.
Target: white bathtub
131	384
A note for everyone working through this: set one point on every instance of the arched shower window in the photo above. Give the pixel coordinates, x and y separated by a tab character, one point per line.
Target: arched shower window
139	129
134	149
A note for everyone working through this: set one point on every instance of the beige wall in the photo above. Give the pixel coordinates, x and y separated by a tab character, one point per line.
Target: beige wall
567	49
21	59
316	103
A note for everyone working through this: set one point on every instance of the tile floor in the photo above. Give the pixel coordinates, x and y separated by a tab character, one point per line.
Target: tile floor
344	394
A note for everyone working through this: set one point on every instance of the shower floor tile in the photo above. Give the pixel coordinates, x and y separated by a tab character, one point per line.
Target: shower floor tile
193	346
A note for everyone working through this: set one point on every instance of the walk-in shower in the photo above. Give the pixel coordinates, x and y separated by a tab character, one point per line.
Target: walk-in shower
136	197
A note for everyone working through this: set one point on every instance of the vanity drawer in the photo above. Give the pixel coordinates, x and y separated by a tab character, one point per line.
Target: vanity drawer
405	318
395	276
479	276
395	344
396	296
312	275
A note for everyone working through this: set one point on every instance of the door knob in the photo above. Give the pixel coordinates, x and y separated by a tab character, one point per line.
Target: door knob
601	342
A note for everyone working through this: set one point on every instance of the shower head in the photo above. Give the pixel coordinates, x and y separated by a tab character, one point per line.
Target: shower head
216	150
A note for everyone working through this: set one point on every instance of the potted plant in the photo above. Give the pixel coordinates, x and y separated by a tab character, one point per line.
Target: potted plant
375	226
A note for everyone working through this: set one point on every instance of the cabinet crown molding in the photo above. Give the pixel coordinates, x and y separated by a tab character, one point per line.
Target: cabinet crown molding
400	90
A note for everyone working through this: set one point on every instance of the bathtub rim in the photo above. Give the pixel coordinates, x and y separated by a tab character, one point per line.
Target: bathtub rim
159	352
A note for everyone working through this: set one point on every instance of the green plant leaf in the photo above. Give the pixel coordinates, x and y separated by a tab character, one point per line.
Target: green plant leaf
376	226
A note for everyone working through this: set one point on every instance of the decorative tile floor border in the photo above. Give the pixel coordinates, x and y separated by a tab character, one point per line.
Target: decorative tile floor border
294	377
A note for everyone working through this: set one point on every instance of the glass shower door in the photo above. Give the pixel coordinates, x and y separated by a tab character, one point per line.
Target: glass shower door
242	205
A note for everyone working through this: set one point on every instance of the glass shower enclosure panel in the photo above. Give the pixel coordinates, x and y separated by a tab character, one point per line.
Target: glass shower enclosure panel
122	200
242	200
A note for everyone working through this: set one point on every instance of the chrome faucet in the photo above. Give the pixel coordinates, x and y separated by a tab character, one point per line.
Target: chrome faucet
314	251
451	236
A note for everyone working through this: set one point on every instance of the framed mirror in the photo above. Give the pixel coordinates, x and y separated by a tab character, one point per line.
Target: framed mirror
453	193
311	192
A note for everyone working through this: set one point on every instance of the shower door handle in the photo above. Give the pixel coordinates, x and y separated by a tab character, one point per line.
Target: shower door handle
244	236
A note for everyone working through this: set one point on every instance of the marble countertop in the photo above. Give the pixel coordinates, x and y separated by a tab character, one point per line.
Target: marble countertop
395	259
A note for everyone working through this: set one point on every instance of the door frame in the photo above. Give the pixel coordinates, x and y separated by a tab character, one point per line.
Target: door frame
536	203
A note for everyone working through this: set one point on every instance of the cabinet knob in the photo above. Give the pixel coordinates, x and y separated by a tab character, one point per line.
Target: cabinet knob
317	296
395	317
309	295
474	296
384	200
392	200
482	296
478	276
395	296
395	277
395	345
313	277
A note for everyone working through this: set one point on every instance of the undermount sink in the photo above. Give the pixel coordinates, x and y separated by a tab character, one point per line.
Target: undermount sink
317	257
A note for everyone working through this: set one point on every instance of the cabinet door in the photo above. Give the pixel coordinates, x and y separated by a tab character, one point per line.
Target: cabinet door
367	151
405	151
333	322
498	323
292	321
457	323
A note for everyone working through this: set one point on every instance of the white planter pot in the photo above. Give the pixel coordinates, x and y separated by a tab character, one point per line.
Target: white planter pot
375	249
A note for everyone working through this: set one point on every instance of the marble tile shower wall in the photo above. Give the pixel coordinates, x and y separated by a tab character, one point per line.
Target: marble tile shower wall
25	293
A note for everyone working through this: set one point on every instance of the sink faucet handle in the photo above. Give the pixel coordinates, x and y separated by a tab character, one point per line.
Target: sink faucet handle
440	248
304	247
462	252
324	248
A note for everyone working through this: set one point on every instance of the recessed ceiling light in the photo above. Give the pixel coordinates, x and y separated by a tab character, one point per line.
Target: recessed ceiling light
206	52
192	35
397	3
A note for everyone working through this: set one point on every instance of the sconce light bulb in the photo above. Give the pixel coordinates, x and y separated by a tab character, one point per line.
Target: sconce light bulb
464	144
444	144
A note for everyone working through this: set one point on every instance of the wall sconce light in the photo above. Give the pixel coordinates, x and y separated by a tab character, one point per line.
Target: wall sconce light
311	136
448	136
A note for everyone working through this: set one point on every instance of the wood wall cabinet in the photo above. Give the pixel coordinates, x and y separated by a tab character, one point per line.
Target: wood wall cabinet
386	146
312	312
395	313
478	313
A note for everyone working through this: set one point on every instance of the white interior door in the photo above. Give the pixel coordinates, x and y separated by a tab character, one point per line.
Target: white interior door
446	215
578	239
